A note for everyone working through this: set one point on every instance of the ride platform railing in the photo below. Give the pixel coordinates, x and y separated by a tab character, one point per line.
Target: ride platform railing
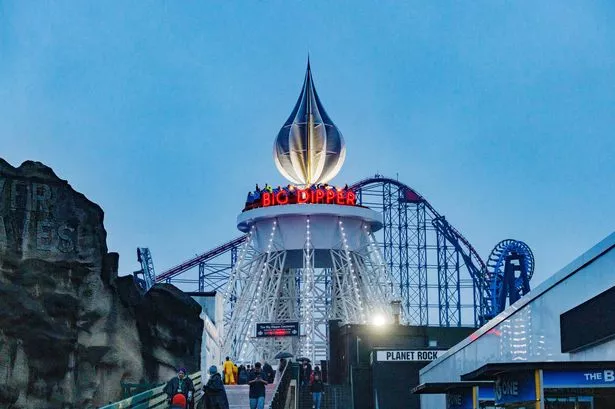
156	398
281	391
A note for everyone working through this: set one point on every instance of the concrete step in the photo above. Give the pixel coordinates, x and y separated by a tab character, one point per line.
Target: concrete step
238	395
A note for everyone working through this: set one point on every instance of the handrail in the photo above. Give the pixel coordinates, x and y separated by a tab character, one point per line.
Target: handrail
281	389
154	398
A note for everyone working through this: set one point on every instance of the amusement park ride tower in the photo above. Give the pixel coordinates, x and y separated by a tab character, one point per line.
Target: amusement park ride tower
310	255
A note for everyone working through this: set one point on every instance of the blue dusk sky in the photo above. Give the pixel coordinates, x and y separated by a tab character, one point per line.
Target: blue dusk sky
500	113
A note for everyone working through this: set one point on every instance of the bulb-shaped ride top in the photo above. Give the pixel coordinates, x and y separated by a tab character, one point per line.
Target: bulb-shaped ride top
309	148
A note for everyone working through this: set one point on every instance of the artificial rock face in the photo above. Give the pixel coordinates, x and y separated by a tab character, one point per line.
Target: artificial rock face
69	332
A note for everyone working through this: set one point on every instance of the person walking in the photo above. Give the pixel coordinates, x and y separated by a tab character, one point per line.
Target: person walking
181	384
227	369
306	373
317	388
235	374
268	370
214	392
257	381
314	372
242	377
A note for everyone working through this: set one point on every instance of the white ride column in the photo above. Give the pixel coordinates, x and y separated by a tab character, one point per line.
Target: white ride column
308	263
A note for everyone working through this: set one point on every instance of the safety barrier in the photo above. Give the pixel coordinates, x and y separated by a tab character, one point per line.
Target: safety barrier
155	398
281	393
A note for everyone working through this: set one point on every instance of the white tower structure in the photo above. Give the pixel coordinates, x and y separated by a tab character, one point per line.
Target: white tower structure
310	255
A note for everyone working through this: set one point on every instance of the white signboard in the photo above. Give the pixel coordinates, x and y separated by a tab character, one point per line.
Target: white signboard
408	355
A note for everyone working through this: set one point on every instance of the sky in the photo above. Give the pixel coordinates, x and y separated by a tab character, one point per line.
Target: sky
500	113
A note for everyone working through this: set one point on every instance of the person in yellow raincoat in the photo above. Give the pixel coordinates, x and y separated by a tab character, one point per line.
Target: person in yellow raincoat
235	374
228	369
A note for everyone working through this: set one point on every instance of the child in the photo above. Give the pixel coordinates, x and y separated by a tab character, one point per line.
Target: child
178	401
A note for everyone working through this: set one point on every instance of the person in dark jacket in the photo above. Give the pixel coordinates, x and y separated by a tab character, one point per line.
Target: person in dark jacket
316	371
318	389
282	365
180	384
242	377
269	373
214	392
306	373
257	383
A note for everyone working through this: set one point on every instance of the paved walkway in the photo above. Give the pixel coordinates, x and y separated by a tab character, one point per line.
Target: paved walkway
238	396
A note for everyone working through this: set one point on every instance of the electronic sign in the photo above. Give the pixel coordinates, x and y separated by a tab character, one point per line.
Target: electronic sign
277	329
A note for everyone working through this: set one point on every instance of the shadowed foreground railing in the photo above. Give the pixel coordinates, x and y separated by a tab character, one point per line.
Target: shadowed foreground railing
155	398
281	390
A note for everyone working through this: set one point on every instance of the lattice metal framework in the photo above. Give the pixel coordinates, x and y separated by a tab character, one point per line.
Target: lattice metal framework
146	277
428	259
353	287
440	277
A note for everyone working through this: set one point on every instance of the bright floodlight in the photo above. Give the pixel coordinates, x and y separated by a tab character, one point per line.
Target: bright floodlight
379	320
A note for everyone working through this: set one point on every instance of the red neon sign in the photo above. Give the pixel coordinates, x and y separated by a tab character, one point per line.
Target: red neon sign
280	197
309	196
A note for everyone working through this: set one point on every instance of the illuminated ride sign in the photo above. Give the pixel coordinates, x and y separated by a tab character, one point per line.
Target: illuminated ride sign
280	197
277	329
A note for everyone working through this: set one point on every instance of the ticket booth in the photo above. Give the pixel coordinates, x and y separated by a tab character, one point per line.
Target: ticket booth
461	395
550	385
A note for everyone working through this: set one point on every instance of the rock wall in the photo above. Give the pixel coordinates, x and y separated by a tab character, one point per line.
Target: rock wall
70	329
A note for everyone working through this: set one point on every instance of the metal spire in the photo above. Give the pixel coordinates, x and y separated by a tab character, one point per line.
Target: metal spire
309	148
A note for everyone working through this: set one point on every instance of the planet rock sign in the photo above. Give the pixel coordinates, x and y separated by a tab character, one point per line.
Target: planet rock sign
309	148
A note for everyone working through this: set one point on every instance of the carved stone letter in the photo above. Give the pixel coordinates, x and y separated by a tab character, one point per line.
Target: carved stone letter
20	199
67	239
43	235
41	196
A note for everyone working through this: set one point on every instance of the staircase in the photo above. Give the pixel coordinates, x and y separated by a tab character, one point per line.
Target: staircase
238	395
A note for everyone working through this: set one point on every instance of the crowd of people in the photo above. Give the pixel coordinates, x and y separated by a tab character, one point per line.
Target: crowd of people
180	390
239	375
312	379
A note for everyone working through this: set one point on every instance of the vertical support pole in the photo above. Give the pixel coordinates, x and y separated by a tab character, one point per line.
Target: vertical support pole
540	401
458	288
233	256
201	277
406	272
421	244
444	270
477	304
307	295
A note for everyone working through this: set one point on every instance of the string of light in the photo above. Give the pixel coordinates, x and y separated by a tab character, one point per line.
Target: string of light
353	275
256	299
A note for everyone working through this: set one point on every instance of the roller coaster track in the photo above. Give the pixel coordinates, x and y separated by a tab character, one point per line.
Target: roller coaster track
201	258
450	229
475	265
398	200
501	254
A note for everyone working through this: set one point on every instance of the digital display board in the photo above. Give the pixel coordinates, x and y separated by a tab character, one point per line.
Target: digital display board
277	329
